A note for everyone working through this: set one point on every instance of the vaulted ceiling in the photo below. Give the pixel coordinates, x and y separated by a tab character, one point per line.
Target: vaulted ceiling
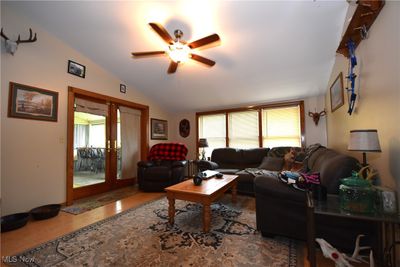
269	50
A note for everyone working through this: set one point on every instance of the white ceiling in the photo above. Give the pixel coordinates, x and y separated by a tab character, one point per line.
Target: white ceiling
269	51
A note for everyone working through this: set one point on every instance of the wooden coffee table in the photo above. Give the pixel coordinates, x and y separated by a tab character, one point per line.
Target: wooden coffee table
206	193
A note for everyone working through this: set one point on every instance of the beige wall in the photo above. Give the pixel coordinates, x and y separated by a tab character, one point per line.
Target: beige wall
189	141
378	89
33	152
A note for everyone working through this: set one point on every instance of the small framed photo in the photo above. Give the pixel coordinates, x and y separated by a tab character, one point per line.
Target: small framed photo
389	201
336	92
76	69
28	102
122	88
159	129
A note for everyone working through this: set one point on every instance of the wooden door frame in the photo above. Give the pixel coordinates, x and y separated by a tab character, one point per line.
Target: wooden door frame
144	131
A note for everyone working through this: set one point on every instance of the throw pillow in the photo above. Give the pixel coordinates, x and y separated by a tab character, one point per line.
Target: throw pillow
271	164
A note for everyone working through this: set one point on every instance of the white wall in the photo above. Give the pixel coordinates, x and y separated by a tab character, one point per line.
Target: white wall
315	133
33	153
378	100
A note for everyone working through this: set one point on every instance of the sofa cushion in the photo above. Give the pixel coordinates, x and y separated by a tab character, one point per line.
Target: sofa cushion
332	167
335	169
271	164
251	158
226	158
231	158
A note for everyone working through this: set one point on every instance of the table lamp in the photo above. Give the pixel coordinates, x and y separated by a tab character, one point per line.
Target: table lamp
364	141
203	143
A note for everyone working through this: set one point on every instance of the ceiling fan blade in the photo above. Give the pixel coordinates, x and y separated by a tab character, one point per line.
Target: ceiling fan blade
162	32
204	41
150	53
203	60
172	67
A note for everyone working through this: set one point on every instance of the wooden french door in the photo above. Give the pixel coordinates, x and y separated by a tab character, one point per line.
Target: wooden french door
94	143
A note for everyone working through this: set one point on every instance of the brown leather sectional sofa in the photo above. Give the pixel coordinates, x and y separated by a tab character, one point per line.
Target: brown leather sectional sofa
281	210
235	161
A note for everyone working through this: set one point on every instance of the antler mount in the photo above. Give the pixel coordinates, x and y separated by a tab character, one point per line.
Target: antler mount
11	46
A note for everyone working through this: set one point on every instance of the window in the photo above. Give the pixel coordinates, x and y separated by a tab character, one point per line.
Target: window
213	128
243	129
281	127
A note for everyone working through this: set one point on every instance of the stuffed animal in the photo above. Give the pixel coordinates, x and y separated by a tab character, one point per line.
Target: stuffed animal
289	159
290	163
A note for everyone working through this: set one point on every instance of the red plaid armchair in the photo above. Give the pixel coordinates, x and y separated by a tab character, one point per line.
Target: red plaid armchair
165	166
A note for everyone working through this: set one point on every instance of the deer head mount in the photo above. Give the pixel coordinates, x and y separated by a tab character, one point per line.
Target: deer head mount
316	115
11	46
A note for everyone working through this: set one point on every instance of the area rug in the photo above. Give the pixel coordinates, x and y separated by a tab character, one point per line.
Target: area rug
143	237
89	203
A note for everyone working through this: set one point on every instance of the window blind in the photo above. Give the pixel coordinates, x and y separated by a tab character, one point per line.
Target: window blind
281	127
87	106
213	127
243	129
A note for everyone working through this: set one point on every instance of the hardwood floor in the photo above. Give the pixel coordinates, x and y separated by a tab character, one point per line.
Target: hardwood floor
37	232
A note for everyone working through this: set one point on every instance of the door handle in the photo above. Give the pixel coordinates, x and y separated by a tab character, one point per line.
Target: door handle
115	145
108	146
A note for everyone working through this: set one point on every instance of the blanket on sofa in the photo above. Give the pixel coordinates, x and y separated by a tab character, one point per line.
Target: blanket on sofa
256	171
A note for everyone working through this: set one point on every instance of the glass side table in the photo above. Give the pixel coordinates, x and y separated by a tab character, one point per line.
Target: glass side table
331	207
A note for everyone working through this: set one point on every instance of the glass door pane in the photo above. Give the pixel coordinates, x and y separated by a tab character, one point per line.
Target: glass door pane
89	149
118	145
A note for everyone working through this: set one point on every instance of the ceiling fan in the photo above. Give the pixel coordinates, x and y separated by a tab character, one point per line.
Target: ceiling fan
178	50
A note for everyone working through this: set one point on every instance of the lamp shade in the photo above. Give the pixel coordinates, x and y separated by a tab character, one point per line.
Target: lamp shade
203	142
364	140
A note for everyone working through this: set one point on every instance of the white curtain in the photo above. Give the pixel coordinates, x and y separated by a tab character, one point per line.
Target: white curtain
83	105
130	141
81	135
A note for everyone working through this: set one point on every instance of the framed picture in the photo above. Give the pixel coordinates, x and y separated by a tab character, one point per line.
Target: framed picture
336	91
76	69
122	88
159	129
28	102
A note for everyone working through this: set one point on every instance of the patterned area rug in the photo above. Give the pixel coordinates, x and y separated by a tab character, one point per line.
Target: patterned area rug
143	237
89	203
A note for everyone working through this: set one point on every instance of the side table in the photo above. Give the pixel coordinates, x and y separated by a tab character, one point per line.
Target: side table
331	207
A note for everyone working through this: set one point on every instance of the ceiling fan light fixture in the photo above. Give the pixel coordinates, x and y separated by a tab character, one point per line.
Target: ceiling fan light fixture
178	52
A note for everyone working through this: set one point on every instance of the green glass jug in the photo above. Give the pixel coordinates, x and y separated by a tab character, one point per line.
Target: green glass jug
357	195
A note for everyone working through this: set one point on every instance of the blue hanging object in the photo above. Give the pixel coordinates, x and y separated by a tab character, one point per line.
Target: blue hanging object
352	77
